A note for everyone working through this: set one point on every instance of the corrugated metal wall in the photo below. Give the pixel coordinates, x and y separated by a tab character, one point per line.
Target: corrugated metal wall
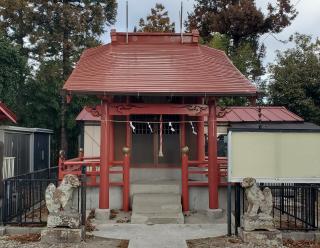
18	145
41	151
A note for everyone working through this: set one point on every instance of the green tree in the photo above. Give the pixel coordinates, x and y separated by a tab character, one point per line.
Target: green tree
57	33
157	21
247	56
239	19
13	74
235	27
295	78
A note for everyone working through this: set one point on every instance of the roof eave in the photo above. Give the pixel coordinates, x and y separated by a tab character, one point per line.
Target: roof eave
216	94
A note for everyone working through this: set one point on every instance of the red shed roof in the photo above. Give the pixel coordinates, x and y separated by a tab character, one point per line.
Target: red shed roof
234	115
157	63
251	114
6	113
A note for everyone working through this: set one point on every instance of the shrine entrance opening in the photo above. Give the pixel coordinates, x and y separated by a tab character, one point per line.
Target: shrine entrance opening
155	141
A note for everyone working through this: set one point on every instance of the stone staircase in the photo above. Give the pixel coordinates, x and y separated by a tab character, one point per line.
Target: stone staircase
156	203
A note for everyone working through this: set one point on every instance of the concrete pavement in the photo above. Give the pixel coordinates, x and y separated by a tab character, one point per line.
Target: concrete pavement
159	235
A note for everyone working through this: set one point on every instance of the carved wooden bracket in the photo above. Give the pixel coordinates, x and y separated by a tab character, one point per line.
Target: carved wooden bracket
222	111
95	111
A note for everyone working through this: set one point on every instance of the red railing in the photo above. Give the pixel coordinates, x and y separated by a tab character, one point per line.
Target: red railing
190	167
202	169
92	164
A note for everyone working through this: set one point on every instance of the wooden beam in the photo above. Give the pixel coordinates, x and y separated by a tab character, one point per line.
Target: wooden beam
159	109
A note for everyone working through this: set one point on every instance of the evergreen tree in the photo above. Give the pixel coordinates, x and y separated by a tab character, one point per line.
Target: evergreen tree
157	21
13	74
295	78
56	33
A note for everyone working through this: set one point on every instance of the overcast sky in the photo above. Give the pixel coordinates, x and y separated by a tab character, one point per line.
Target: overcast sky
307	21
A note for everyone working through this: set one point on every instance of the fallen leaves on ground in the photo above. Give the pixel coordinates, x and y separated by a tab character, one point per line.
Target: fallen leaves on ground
300	243
25	238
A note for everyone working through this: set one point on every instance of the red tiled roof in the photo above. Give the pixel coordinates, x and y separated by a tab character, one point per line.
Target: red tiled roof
234	114
157	63
7	114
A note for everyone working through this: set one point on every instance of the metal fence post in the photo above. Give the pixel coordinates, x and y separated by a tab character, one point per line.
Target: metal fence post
3	203
237	208
229	209
83	195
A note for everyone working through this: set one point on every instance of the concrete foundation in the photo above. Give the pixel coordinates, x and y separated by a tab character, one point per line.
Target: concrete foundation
101	216
155	180
214	214
61	235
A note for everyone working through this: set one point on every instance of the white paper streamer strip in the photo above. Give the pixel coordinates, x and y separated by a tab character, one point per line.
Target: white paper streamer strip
150	127
171	127
193	129
132	127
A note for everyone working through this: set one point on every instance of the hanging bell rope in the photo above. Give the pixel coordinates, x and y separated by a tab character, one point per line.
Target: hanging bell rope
160	137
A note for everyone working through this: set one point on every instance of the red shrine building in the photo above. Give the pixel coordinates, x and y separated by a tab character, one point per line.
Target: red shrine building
157	118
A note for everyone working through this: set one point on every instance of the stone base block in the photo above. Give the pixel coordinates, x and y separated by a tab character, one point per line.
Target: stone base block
157	218
262	238
62	235
257	222
214	214
63	219
101	216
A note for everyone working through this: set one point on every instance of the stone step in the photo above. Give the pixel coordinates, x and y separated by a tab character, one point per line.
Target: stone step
156	203
156	187
157	218
153	208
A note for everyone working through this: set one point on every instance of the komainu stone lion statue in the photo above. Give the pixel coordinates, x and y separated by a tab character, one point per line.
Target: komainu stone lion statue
60	198
257	199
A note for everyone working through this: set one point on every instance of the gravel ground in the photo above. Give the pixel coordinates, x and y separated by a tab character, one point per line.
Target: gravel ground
235	242
33	241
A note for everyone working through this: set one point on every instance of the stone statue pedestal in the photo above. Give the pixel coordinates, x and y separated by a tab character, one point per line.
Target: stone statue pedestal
272	239
257	222
63	227
62	235
64	219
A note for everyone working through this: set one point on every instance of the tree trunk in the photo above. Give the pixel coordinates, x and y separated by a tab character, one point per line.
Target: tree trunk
65	73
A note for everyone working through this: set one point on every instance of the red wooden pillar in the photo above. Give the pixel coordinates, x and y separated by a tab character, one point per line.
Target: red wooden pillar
104	156
213	169
111	142
185	179
126	179
200	136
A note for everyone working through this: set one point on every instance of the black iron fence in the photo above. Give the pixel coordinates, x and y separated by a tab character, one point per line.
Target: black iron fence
23	202
295	206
